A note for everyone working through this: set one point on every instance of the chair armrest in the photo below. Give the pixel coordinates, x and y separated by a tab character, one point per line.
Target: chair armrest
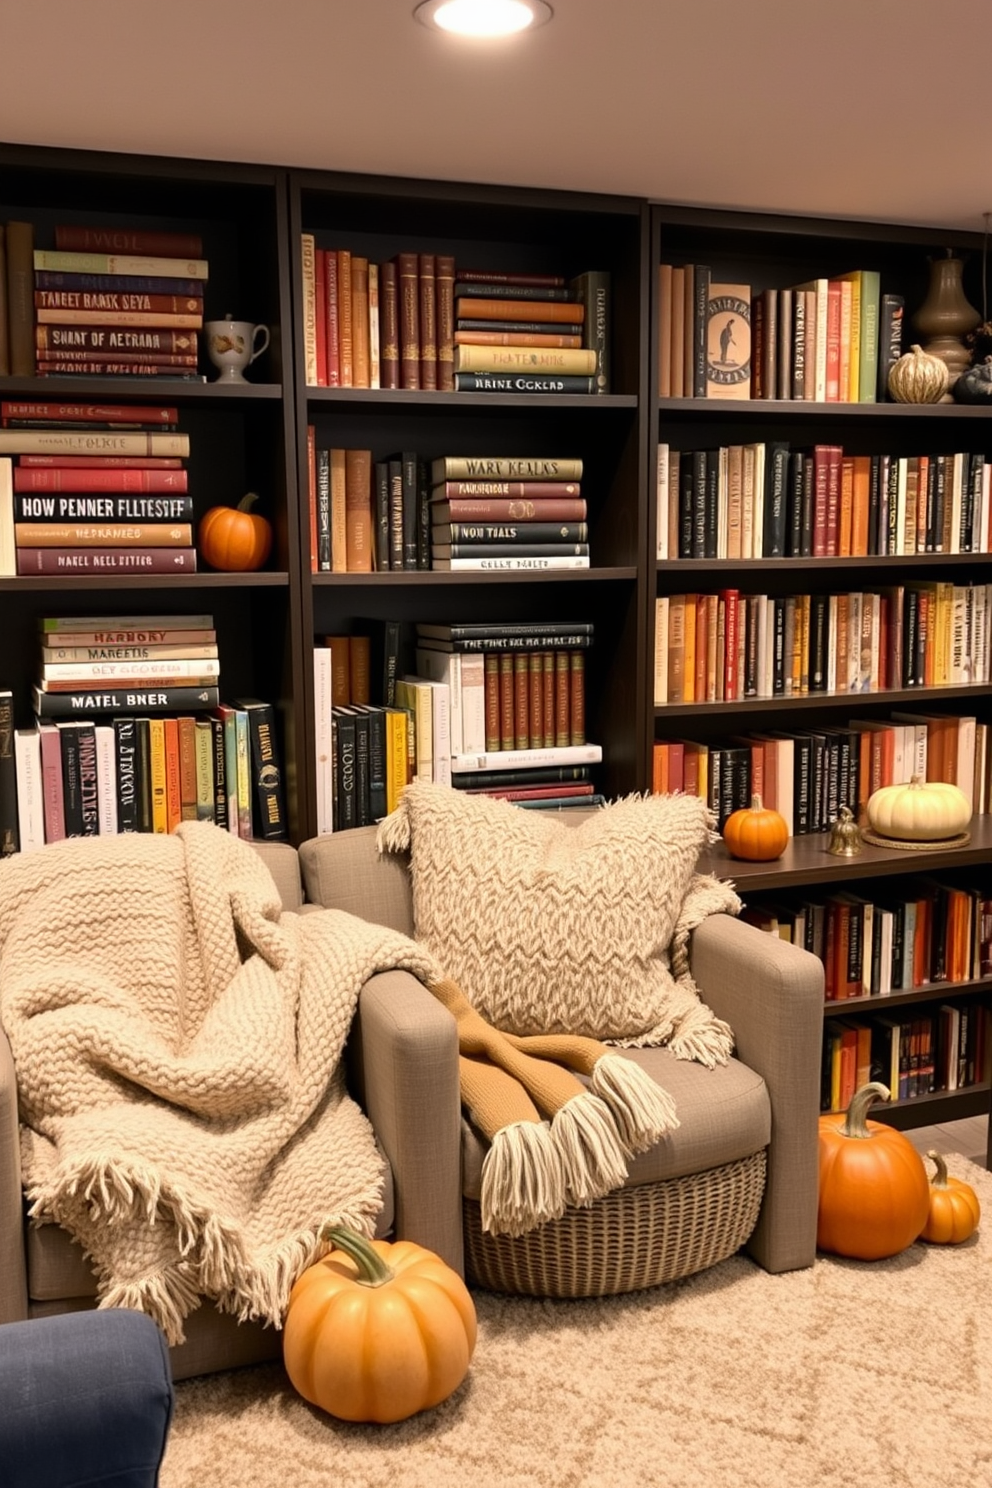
403	1054
13	1272
771	994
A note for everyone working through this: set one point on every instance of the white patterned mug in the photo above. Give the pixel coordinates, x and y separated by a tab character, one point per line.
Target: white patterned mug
232	345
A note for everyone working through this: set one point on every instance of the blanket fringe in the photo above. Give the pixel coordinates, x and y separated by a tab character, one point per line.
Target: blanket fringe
642	1111
394	833
703	1037
522	1179
588	1144
168	1297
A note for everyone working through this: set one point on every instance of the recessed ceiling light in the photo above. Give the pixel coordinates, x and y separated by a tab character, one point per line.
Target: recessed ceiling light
483	17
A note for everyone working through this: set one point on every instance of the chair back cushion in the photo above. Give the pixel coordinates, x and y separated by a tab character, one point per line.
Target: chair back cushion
344	870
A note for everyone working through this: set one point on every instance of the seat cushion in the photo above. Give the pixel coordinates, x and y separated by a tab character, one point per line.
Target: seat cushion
724	1114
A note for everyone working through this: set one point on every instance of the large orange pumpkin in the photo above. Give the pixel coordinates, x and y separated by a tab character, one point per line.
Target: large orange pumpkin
756	832
954	1207
874	1194
378	1331
235	539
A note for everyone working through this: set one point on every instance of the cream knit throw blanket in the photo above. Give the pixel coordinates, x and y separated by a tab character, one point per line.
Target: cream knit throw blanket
177	1041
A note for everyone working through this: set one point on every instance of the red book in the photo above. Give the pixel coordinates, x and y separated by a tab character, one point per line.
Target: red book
833	341
101	561
389	327
147	339
445	304
731	598
155	243
312	492
111	368
320	313
834	459
408	309
109	305
484	509
331	330
89	357
498	276
346	346
99	480
79	413
427	282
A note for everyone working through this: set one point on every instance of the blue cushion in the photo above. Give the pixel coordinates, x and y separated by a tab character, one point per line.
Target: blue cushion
85	1398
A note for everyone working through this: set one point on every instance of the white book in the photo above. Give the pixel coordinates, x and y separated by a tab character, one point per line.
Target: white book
867	938
414	694
661	651
902	466
487	565
307	251
440	732
446	667
853	679
764	648
517	759
884	920
758	533
130	673
323	740
833	626
661	513
722	508
465	674
30	799
8	550
106	779
957	500
747	502
984	510
964	777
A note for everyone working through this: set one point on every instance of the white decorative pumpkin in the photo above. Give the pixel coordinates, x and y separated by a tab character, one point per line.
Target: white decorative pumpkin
920	811
918	377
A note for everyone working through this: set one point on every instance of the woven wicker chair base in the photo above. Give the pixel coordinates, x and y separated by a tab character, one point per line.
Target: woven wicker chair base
633	1238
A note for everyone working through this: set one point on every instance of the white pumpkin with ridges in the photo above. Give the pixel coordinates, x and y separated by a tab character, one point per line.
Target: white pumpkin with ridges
919	810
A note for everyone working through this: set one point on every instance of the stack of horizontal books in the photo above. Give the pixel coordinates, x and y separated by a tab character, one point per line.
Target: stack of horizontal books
97	489
531	333
507	513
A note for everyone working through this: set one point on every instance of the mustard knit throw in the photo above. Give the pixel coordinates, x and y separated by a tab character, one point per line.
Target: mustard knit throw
177	1041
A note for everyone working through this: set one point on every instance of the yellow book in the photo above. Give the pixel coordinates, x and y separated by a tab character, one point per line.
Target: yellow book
566	360
396	756
339	523
676	648
244	774
853	394
689	649
203	750
156	760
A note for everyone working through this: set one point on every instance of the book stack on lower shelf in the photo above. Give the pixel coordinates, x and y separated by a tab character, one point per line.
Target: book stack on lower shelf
96	489
118	302
533	537
131	736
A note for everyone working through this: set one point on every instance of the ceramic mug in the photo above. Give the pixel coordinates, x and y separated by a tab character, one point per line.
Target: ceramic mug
232	345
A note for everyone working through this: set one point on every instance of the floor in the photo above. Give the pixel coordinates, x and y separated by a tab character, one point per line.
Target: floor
967	1138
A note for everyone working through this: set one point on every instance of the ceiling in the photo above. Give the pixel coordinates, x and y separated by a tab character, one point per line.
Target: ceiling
873	109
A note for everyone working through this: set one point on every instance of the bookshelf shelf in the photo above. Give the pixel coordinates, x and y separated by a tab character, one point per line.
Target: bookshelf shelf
784	410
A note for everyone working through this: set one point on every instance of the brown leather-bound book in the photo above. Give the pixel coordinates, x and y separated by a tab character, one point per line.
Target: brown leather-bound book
521	700
507	700
346	344
444	274
332	330
427	287
20	298
101	561
339	520
358	509
535	660
491	683
548	673
340	649
146	339
563	700
389	327
577	698
187	767
559	311
360	321
408	311
155	242
4	333
360	653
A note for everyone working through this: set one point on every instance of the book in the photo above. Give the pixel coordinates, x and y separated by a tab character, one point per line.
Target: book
521	382
472	358
510	532
454	565
9	834
20	298
82	238
162	266
114	283
728	340
101	534
105	560
515	759
149	699
592	290
506	309
488	468
149	344
520	509
122	627
891	315
92	442
30	789
99	479
14	412
268	818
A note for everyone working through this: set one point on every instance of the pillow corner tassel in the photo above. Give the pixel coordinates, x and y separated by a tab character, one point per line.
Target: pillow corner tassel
522	1180
394	833
642	1110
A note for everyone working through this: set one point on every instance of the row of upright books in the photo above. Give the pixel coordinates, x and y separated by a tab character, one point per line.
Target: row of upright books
809	774
912	1054
418	322
919	933
452	513
826	340
130	735
770	501
725	646
94	489
494	708
101	302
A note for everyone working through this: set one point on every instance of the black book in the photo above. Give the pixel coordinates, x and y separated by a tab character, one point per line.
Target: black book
103	506
893	506
126	750
712	503
525	635
874	503
819	640
408	471
523	382
482	780
385	657
776	606
809	497
750	615
714	782
891	312
151	699
376	759
699	497
323	500
10	840
776	467
88	788
220	772
395	468
267	796
686	487
795	505
700	318
802	784
381	524
346	771
72	796
527	327
423	514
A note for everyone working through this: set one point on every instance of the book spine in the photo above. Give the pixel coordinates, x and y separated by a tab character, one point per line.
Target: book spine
126	773
121	627
129	673
592	289
96	442
162	266
269	817
505	276
408	312
149	534
177	319
511	509
511	532
118	283
149	341
427	310
9	837
544	311
20	293
332	322
467	468
892	310
521	382
120	700
361	375
186	729
156	241
98	413
483	358
514	549
389	334
514	759
105	560
56	479
375	366
465	565
83	508
445	303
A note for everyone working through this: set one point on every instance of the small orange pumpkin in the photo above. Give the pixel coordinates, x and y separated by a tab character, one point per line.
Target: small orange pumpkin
756	832
235	539
954	1207
377	1331
874	1194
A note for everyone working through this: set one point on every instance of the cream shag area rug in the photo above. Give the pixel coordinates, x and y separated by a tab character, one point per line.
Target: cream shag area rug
845	1374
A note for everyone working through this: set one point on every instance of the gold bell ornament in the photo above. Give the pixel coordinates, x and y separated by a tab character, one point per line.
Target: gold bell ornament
845	835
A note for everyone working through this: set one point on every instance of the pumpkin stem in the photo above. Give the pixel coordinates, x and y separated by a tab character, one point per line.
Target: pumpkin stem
939	1179
248	501
373	1271
854	1121
756	804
